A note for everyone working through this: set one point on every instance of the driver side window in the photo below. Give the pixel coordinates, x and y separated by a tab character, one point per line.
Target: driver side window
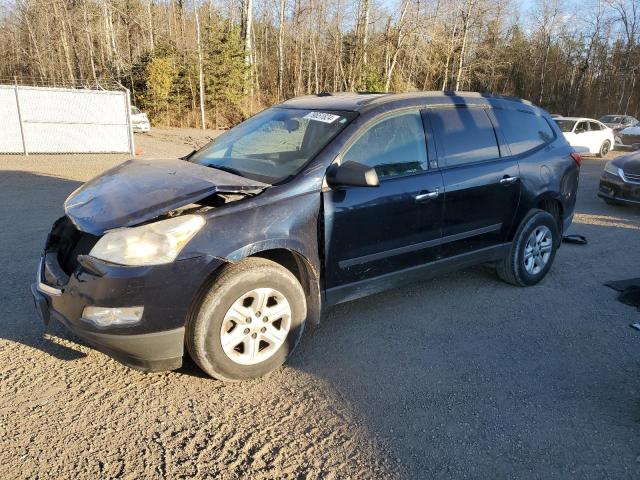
394	146
581	127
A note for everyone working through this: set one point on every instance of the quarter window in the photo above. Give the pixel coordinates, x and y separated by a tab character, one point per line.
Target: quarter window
523	130
394	146
466	135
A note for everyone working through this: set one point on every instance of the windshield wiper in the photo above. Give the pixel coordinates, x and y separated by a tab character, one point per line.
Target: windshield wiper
188	155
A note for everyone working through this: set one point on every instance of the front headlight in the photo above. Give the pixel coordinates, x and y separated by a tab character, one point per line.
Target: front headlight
151	244
612	169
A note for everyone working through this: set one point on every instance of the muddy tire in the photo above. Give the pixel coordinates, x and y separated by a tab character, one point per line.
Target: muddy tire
532	251
249	321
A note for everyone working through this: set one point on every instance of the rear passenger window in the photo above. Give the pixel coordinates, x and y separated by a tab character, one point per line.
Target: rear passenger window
594	127
394	146
466	135
523	130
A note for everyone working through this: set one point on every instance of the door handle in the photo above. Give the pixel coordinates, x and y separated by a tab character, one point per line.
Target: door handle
508	180
427	196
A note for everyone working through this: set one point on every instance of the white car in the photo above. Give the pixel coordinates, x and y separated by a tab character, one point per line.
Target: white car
139	120
587	135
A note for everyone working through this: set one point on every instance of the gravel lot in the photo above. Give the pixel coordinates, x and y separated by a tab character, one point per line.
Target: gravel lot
460	377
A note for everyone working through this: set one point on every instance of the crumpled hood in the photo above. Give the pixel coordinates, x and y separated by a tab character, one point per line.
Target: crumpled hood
140	190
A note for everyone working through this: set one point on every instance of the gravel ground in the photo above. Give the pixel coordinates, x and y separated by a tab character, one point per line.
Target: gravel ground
462	376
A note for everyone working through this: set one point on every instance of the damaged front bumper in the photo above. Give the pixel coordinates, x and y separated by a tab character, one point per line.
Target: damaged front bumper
614	188
167	293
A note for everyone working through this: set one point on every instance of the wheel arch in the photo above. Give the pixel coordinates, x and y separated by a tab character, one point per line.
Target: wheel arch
548	202
303	270
553	205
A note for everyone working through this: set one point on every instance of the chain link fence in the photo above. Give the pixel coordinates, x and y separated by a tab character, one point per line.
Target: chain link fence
37	119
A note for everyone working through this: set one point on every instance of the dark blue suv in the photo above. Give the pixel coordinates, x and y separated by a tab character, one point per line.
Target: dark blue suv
319	200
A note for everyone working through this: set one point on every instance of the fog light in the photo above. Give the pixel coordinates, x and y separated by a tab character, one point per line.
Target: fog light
106	317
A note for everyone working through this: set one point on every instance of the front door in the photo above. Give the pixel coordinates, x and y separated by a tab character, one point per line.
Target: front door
482	188
373	231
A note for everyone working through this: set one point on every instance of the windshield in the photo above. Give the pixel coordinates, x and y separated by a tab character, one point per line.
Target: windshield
565	125
274	144
611	119
135	111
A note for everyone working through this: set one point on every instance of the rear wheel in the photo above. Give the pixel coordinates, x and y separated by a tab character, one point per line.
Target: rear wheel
249	321
605	148
532	251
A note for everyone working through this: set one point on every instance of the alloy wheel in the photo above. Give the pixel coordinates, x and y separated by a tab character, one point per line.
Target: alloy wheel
537	250
256	326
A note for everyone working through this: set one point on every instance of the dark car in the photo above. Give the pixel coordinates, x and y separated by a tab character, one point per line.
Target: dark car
628	137
620	180
319	200
618	122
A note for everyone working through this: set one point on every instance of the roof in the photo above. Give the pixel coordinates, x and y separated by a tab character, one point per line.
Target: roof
353	101
578	119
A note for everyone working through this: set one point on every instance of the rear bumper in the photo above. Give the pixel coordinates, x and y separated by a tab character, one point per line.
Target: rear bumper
141	127
566	223
148	351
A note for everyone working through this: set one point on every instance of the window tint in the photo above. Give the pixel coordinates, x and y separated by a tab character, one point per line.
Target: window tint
465	134
394	146
523	130
594	126
565	125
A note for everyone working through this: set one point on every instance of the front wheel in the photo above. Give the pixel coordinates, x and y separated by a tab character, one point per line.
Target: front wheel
605	148
532	251
249	321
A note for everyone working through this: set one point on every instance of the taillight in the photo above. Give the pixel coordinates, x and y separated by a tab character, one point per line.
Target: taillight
576	158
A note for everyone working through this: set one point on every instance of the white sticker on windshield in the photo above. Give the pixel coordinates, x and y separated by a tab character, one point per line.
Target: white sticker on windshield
322	117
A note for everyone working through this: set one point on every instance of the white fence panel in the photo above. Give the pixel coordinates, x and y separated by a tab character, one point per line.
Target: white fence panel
10	136
58	120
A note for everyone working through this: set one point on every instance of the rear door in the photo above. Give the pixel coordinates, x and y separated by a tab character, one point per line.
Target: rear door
598	134
482	186
372	231
582	137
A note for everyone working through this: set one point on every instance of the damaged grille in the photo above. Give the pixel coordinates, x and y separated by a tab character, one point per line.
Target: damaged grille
67	243
632	177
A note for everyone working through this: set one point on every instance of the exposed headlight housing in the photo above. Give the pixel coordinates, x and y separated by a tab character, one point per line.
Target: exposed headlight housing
151	244
612	169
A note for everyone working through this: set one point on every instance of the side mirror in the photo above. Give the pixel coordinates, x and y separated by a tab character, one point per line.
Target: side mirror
352	174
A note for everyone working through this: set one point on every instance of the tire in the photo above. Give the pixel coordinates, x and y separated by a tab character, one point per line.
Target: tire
605	148
513	269
254	287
